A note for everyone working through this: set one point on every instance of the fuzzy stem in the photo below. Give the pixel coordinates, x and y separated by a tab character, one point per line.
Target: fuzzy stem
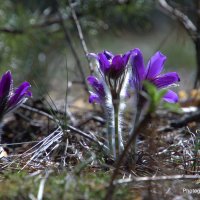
118	137
110	129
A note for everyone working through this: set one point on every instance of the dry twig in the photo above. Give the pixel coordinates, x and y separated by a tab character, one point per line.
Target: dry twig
69	42
81	37
155	178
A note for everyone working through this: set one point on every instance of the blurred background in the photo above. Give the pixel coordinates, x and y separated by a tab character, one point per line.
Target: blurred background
39	41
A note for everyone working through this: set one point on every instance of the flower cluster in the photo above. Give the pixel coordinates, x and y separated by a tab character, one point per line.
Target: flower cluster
11	98
112	67
114	71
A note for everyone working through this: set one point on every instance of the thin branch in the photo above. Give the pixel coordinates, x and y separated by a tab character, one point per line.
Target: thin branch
41	187
69	42
81	37
181	17
18	143
11	31
155	178
44	24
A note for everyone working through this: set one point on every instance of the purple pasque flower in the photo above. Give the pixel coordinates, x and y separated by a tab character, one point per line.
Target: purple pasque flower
12	98
111	65
99	94
153	74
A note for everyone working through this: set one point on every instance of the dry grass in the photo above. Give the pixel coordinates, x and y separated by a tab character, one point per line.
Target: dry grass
55	161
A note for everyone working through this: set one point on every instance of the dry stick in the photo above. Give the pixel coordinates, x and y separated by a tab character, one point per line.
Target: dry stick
44	24
81	37
122	157
68	39
41	187
155	178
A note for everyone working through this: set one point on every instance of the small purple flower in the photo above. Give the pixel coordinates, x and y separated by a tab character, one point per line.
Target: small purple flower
99	94
152	73
12	98
112	65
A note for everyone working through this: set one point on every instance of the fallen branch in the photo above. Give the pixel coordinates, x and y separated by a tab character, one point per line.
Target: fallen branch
185	120
155	178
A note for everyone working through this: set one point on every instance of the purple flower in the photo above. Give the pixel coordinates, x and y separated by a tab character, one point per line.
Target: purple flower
99	93
112	65
12	98
152	73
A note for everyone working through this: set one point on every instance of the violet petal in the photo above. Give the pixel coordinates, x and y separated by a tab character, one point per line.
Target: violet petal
117	63
93	55
137	63
155	65
166	79
109	55
104	63
97	86
138	69
126	57
94	98
5	84
20	94
171	97
92	80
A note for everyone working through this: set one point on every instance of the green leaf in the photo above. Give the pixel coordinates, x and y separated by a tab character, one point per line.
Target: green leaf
155	95
173	107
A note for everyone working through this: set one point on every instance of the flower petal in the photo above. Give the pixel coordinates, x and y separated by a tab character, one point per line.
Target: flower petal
171	97
93	55
97	86
5	84
137	63
155	65
6	87
166	79
104	63
138	70
109	55
117	63
20	95
94	98
92	80
126	57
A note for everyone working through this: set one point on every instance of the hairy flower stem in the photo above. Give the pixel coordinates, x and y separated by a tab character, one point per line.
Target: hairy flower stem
119	147
111	133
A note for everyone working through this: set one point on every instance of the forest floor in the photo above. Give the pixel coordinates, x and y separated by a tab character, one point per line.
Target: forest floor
41	160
